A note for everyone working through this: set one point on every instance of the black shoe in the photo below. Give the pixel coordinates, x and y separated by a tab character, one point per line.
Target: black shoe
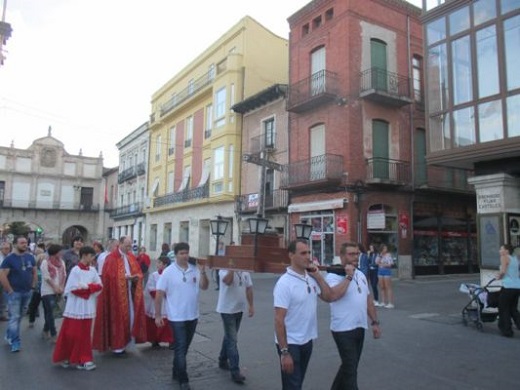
175	376
185	386
237	377
507	334
171	346
223	364
156	345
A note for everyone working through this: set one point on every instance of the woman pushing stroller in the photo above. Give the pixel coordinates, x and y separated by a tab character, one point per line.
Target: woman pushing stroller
508	300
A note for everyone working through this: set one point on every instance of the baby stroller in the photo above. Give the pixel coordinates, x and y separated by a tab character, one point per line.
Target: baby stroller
483	305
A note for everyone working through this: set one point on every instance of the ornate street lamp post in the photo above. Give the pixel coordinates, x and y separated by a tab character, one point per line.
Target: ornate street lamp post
257	226
218	228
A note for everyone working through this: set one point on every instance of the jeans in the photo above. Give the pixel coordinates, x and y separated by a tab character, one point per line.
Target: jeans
508	310
3	302
34	303
301	354
16	302
350	346
374	280
229	348
49	301
183	332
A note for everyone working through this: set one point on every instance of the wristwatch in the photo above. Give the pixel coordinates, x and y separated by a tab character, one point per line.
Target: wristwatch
284	351
375	322
349	278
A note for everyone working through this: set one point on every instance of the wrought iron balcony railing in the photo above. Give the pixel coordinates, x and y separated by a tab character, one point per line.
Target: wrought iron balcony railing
183	196
320	88
127	211
277	200
444	178
188	92
388	171
47	205
326	169
127	174
141	168
385	87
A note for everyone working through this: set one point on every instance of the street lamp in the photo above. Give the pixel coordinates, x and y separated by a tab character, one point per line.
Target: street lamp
218	228
303	231
257	226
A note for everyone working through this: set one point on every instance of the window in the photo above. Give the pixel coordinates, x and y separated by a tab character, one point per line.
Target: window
318	67
211	72
185	178
232	95
436	31
86	198
464	127
317	148
2	192
158	144
206	169
189	132
329	14
459	21
509	5
316	22
462	74
417	79
483	10
220	107
209	119
221	66
171	145
512	54
513	116
490	122
440	133
487	62
438	88
305	29
231	161
191	86
153	237
269	133
218	163
169	188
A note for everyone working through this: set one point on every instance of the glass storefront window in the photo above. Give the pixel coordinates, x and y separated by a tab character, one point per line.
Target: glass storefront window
464	127
438	91
440	136
487	61
491	126
436	31
484	10
459	20
513	116
462	74
511	49
509	5
322	236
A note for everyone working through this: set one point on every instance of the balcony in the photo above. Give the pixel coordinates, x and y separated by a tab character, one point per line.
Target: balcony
321	88
387	171
141	169
442	178
207	133
383	87
127	174
130	210
261	143
325	170
48	205
277	200
188	92
188	195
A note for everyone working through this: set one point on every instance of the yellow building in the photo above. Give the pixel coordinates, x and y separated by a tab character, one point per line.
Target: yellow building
195	137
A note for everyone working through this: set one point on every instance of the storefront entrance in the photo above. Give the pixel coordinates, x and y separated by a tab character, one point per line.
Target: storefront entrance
322	236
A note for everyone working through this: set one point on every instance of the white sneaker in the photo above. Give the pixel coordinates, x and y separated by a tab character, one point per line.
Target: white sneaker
377	304
389	306
86	366
65	364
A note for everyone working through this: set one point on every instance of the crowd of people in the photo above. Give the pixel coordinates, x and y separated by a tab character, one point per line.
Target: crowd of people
108	294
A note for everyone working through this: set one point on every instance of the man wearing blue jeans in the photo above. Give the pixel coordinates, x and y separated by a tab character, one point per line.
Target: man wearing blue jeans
236	289
180	283
295	313
18	277
349	308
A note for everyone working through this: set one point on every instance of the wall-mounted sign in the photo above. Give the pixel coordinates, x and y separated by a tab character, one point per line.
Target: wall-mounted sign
489	200
376	219
341	225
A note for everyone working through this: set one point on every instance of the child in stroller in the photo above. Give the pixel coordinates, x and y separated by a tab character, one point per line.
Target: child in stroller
483	305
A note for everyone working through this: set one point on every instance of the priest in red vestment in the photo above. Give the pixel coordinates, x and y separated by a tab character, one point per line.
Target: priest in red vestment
120	314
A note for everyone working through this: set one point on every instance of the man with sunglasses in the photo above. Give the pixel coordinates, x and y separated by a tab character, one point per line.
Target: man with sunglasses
295	313
350	309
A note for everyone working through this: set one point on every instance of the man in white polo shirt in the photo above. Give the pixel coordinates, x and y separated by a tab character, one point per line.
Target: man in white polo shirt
349	309
180	283
235	292
295	319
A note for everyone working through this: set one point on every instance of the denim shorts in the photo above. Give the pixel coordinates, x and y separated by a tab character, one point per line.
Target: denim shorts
384	271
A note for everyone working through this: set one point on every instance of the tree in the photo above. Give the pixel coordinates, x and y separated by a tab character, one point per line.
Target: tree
18	228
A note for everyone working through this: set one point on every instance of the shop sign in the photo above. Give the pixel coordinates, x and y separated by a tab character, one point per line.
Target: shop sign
489	201
403	224
252	201
341	225
376	219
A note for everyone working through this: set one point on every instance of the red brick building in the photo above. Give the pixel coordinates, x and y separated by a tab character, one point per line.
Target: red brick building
357	145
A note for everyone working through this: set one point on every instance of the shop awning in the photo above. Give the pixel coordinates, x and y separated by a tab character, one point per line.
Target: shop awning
316	206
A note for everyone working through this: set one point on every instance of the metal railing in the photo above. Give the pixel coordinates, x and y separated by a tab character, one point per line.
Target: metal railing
261	143
207	133
141	168
388	170
324	168
429	176
188	92
382	80
127	174
128	210
47	205
183	196
278	199
322	84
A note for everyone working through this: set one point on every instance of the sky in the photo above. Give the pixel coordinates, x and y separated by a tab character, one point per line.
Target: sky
88	68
